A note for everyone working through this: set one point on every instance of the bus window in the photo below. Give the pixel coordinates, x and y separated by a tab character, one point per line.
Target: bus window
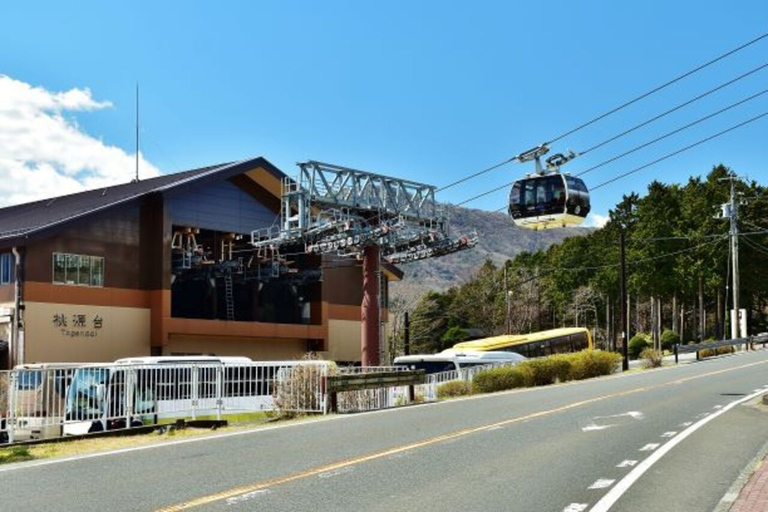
430	367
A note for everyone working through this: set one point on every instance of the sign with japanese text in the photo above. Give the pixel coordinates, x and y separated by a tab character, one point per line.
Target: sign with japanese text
78	325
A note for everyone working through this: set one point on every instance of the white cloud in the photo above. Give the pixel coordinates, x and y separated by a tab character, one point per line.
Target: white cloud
595	220
45	154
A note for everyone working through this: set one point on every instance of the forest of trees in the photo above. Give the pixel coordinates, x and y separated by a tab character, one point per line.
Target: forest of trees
677	274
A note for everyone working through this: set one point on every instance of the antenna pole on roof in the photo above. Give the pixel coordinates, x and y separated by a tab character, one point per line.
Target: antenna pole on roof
137	132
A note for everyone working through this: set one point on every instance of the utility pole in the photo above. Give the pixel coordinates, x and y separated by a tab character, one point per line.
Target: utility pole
734	232
507	319
624	312
407	335
731	211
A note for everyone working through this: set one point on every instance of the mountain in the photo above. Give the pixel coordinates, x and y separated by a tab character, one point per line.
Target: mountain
499	240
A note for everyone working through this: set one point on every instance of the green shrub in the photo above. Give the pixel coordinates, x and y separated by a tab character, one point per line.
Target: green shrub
651	358
637	344
549	370
719	351
669	339
592	363
454	389
500	379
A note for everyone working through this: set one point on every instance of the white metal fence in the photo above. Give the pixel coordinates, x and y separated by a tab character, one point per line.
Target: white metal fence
53	400
46	401
4	379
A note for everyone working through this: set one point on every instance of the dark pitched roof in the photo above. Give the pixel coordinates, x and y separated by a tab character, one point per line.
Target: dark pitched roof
25	219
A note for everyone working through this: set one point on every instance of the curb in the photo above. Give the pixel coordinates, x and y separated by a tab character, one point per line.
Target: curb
730	497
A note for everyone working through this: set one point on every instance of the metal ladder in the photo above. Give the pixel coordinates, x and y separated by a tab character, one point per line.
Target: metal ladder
229	297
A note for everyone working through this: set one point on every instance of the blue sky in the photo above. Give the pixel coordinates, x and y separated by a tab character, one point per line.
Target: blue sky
429	91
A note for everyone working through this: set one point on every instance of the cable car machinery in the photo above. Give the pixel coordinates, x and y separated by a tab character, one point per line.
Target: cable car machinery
343	212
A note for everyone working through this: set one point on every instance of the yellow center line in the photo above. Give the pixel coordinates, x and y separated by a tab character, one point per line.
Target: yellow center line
237	491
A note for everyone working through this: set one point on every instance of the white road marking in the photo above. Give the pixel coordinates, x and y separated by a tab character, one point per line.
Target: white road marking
602	483
497	427
669	434
703	415
336	472
649	447
618	490
686	424
576	507
247	496
718	406
626	463
593	427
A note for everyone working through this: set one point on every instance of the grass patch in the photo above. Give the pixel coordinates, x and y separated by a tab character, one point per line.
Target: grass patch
15	454
67	448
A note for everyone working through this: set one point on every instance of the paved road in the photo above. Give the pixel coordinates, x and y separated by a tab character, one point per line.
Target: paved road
548	449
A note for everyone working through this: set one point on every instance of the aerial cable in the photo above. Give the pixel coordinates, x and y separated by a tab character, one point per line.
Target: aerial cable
673	132
658	88
475	175
624	105
674	109
686	148
633	150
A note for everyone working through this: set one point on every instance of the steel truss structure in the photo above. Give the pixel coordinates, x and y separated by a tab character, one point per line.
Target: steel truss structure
335	210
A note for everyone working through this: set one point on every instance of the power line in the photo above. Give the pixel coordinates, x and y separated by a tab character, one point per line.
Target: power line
757	247
673	109
544	271
673	132
658	88
686	148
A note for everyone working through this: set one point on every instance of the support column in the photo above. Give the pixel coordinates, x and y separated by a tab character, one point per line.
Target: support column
369	341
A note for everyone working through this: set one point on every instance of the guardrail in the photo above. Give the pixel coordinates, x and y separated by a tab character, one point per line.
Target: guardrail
364	391
712	345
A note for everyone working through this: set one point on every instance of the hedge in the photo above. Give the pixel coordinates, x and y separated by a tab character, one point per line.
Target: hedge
547	370
453	389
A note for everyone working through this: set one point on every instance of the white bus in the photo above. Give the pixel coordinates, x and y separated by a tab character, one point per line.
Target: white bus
139	391
456	360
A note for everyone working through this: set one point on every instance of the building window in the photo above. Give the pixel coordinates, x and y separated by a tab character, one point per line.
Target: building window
78	269
7	261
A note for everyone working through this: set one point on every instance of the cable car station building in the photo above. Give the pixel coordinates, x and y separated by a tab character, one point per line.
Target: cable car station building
164	266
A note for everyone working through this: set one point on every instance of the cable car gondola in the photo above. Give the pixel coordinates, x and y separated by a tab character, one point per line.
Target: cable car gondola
546	200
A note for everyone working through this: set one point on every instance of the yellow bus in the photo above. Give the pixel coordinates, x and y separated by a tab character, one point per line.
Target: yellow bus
535	344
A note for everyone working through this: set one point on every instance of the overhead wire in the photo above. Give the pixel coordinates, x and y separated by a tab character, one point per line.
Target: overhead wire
682	150
659	88
673	132
756	247
672	110
636	148
628	103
